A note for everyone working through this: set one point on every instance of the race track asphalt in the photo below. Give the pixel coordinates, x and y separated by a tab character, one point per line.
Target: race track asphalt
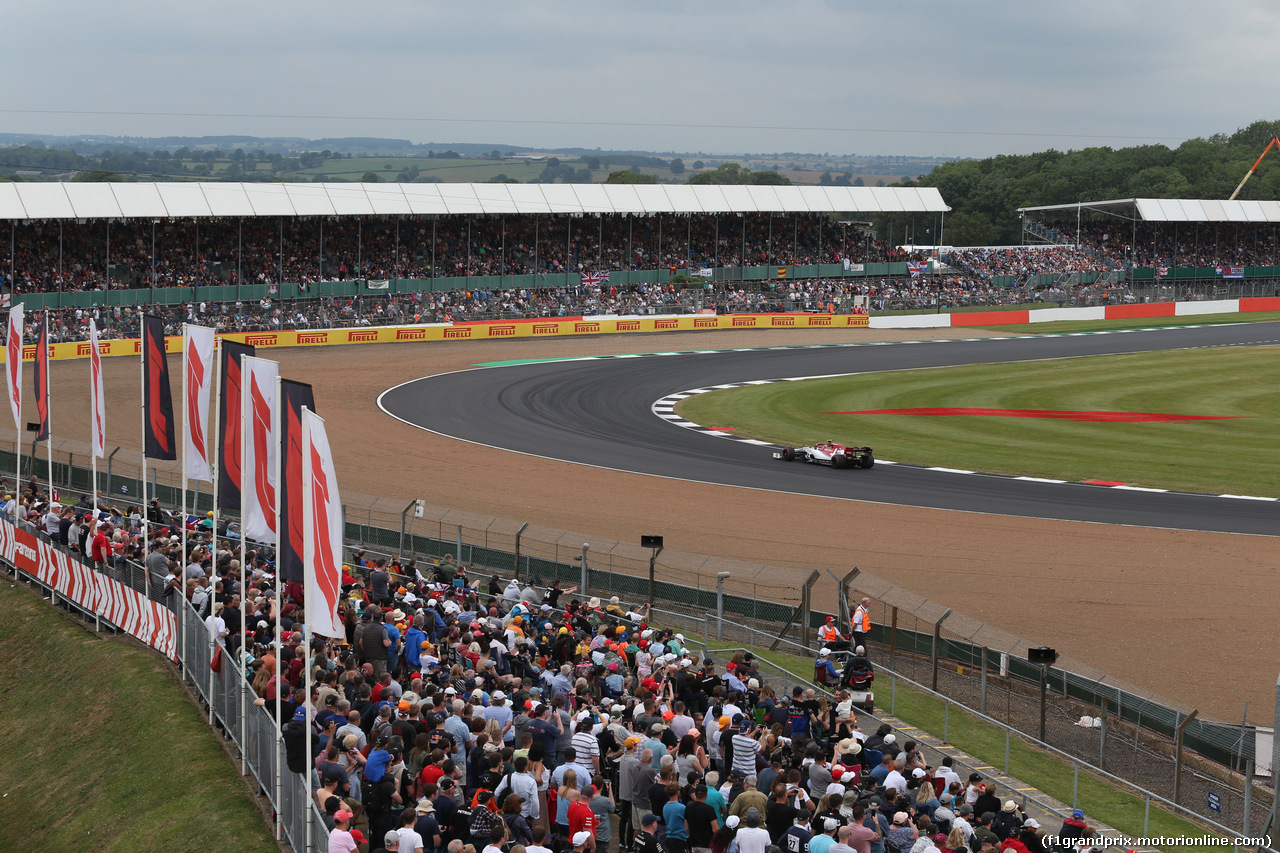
597	412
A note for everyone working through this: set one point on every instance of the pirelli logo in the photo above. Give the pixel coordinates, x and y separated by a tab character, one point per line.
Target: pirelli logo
628	325
504	331
777	321
706	323
546	328
819	320
459	332
313	337
738	322
411	334
858	320
268	340
666	324
580	328
362	336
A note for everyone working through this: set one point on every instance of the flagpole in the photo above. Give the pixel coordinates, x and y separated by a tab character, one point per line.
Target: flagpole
308	591
244	600
17	442
48	408
275	437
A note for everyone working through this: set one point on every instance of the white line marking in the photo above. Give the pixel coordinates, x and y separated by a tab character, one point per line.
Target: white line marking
1247	498
1138	489
1039	480
950	470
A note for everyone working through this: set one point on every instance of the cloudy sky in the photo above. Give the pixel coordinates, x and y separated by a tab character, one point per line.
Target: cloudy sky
930	77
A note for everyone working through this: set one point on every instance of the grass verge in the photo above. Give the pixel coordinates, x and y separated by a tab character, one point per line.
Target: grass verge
110	754
1101	800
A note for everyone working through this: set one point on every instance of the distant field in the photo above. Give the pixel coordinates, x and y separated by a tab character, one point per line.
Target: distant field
1236	456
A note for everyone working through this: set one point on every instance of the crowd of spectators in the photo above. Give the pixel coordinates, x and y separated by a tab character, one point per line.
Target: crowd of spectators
51	256
459	713
821	295
1176	244
1024	261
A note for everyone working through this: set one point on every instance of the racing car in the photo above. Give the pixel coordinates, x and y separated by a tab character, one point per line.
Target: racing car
830	453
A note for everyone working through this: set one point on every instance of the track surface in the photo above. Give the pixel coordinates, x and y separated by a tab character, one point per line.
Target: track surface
598	412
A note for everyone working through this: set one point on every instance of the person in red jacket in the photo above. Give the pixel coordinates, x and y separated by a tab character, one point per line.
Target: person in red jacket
581	818
100	549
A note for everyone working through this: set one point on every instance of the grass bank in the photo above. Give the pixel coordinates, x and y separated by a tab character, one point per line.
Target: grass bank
108	753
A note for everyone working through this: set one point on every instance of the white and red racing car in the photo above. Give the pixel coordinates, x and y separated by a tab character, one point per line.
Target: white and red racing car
830	453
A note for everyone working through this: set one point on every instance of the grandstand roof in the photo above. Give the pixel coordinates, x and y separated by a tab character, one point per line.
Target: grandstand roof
1178	210
195	199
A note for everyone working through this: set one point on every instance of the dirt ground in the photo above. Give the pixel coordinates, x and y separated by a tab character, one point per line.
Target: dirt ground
1153	607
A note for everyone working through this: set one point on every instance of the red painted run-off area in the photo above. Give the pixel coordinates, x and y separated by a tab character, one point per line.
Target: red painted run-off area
1098	417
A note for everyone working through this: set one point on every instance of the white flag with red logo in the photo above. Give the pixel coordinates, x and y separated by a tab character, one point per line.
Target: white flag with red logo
13	364
258	407
321	530
97	397
197	378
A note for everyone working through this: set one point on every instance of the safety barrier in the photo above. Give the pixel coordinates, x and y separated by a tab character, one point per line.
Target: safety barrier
1135	311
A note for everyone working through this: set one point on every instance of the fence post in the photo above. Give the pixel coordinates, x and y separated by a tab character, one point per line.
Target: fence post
1102	741
720	579
1248	797
1075	783
937	640
404	522
893	637
1177	756
893	693
984	681
946	718
582	589
1146	817
1006	750
516	569
806	605
459	543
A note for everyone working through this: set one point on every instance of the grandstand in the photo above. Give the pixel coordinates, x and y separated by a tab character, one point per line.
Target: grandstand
87	237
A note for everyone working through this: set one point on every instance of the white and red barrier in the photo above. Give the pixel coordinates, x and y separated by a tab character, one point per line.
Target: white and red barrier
1136	311
127	609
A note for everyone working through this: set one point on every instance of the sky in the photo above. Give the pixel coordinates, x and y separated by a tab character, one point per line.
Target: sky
926	78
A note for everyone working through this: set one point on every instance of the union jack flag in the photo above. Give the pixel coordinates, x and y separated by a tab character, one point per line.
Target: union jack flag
1164	271
593	278
916	269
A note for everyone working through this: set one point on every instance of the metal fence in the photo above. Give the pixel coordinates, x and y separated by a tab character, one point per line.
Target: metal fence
977	666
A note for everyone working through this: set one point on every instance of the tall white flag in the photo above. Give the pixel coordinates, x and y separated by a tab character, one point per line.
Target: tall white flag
197	384
258	461
97	398
321	530
13	364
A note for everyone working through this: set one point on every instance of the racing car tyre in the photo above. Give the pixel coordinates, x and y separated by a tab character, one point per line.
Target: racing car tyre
839	460
868	460
789	454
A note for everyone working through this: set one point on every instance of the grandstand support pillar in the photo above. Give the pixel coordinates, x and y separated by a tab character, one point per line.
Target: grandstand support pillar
1177	754
937	640
720	578
516	568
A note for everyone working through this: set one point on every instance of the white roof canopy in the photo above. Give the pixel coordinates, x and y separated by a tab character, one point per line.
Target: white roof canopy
1176	210
194	199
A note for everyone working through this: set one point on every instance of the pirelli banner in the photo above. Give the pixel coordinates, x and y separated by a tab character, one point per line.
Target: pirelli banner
483	330
130	611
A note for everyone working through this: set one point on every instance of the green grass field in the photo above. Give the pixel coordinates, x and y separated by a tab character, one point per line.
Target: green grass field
1237	456
108	754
